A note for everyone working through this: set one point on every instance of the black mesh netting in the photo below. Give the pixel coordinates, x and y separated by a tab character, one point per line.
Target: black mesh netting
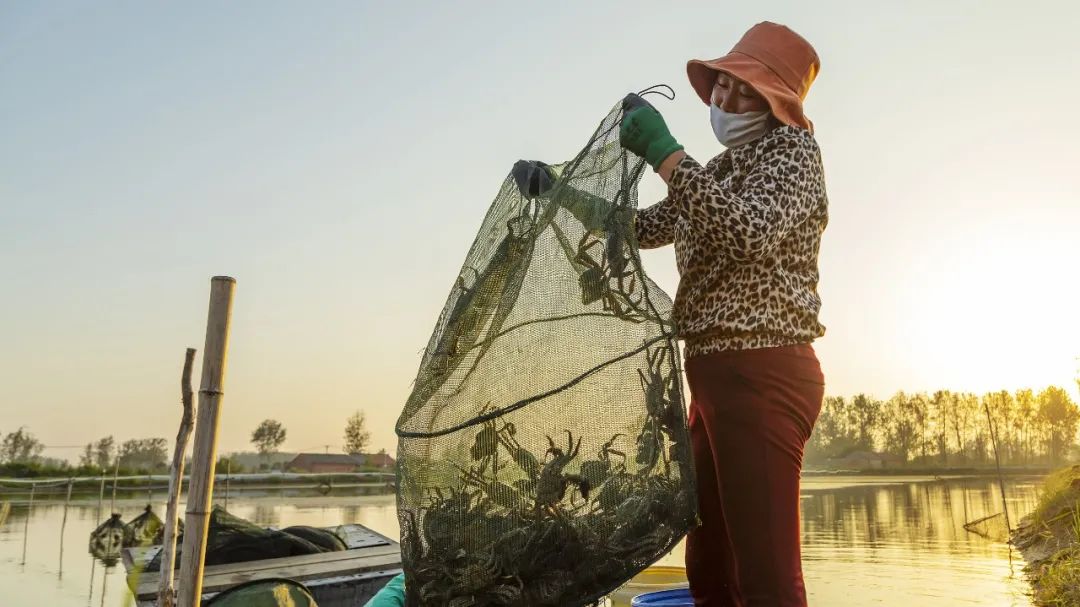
231	539
543	453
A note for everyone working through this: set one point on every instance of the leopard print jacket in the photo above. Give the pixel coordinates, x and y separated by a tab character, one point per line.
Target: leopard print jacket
747	229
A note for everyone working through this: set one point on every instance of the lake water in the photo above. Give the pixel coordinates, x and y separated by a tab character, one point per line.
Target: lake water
890	541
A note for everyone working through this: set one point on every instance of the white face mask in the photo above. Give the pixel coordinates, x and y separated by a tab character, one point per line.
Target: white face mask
733	130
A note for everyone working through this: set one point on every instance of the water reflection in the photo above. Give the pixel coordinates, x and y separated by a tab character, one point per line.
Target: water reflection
903	543
893	542
265	513
927	514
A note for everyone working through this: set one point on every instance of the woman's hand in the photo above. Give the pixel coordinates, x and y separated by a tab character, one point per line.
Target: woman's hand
533	177
644	132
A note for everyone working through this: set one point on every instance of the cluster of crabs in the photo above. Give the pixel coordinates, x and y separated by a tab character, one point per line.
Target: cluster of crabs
522	528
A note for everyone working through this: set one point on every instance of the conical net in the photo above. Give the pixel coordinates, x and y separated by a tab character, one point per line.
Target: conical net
145	529
543	455
109	538
992	527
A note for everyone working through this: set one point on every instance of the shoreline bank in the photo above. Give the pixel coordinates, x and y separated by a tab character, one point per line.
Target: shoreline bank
1049	540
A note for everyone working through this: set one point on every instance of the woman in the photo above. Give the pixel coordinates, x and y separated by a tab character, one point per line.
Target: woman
746	228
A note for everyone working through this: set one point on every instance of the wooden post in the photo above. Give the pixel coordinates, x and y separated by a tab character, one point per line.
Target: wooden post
166	592
101	493
63	524
204	449
26	526
104	583
115	477
228	477
997	460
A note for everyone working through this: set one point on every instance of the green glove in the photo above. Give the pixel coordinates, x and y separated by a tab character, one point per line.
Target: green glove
644	132
391	595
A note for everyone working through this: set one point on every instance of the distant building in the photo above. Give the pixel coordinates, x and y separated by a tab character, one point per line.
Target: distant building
338	462
866	460
377	460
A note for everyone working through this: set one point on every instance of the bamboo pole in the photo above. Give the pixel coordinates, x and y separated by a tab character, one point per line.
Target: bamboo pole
26	526
228	476
104	583
115	476
63	524
93	566
101	493
997	460
166	591
203	453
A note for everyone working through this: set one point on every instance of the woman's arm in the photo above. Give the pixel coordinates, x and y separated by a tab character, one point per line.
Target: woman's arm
655	225
783	190
669	164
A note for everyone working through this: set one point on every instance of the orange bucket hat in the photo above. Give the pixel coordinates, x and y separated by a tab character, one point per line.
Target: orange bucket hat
778	63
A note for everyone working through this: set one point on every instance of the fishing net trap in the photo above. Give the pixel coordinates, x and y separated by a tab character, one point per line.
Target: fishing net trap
543	455
146	529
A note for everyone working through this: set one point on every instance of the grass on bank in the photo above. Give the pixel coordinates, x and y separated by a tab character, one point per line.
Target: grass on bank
1056	522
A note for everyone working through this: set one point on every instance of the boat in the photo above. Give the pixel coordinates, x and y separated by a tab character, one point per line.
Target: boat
345	578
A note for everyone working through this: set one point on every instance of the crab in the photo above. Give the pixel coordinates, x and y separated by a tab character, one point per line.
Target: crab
525	460
486	443
595	279
662	402
552	484
654	384
598	470
496	492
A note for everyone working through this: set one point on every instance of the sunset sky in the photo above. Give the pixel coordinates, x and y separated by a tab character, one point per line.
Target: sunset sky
337	159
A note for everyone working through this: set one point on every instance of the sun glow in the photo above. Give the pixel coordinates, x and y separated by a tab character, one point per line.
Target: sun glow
995	310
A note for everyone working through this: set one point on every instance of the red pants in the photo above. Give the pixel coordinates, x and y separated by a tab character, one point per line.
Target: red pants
751	413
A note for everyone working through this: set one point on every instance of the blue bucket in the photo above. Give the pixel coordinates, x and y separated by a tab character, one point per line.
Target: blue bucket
679	597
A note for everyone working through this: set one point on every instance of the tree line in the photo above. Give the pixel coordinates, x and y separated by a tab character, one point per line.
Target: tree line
20	455
21	452
949	429
939	429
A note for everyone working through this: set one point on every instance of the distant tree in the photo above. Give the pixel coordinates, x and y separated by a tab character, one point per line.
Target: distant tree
963	411
1059	417
919	406
53	463
86	460
103	452
939	405
144	454
268	436
903	417
228	464
1025	423
20	447
1003	410
356	435
866	417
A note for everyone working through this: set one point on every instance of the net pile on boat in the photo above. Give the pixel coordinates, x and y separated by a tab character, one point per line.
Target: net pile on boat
231	539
